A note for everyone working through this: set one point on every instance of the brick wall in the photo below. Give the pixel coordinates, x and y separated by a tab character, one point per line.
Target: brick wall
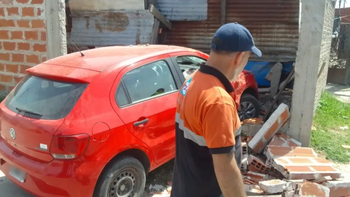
22	39
325	52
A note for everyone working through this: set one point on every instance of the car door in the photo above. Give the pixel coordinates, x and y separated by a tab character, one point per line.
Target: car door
145	100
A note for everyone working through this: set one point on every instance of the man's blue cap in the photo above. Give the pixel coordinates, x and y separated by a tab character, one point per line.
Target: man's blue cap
233	37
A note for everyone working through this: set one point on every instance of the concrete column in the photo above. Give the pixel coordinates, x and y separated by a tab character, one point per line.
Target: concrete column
310	65
56	35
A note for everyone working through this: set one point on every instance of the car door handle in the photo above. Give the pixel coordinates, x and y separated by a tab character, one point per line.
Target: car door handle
144	121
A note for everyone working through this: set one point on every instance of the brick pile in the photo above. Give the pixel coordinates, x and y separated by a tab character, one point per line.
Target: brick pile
275	163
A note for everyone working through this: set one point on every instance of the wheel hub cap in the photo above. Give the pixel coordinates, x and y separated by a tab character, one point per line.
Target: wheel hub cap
123	185
246	110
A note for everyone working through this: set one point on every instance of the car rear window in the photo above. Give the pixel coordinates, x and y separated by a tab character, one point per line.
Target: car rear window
44	98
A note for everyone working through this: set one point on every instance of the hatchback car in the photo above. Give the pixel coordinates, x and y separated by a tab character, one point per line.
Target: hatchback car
96	124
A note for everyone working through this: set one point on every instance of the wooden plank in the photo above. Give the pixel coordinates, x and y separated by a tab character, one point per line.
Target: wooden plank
160	17
154	38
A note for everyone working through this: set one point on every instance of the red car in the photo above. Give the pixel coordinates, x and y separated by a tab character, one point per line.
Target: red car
96	124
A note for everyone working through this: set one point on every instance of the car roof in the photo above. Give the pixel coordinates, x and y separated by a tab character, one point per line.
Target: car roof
100	58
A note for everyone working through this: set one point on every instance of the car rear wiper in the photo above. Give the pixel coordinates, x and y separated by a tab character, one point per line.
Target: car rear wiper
26	111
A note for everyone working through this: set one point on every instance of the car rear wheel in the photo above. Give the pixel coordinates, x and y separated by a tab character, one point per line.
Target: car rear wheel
124	177
249	107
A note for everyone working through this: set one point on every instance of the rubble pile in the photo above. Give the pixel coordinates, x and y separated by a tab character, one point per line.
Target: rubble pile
274	163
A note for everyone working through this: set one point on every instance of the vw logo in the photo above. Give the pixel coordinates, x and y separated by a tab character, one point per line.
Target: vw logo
13	133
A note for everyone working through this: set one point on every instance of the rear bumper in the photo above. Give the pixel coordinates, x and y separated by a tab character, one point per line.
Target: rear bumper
58	178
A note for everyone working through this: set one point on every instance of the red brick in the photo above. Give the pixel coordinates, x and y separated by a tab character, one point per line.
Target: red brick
12	11
27	11
43	59
2	12
255	176
13	68
7	23
23	46
4	34
23	1
23	68
16	35
6	78
37	1
38	24
32	59
2	67
23	23
43	36
256	165
18	57
31	35
39	47
9	46
5	56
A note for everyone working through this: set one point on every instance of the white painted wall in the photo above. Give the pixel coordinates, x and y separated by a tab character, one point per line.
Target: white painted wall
97	5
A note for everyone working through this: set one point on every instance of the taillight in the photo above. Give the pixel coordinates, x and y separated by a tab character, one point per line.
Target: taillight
69	147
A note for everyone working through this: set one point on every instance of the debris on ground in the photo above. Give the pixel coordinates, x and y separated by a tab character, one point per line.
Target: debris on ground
277	164
274	163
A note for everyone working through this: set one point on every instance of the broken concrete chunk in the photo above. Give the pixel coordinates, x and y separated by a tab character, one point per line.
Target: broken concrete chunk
338	188
308	189
273	186
250	127
244	163
270	128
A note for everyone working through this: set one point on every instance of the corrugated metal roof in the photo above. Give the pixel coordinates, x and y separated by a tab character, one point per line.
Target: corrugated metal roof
183	10
106	28
273	23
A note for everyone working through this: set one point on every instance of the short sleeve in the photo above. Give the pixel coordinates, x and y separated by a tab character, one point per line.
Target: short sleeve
220	123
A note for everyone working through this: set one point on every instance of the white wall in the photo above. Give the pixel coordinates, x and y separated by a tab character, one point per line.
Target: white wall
97	5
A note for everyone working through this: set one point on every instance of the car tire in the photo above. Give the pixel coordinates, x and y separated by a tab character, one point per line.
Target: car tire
250	105
124	177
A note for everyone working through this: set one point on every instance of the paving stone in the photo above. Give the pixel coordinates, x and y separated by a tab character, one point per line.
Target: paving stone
270	128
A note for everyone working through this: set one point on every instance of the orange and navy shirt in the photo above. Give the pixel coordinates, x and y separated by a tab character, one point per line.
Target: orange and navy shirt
206	123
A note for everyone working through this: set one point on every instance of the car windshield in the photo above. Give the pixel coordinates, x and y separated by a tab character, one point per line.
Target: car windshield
44	98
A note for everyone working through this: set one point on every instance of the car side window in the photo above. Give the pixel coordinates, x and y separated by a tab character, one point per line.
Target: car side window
121	96
189	64
149	81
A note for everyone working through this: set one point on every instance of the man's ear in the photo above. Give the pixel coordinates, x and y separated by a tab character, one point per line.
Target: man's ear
238	58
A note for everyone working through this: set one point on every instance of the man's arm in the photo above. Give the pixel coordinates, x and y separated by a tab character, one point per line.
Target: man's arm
228	175
220	123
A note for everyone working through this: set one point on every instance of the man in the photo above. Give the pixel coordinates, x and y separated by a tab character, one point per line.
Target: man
208	147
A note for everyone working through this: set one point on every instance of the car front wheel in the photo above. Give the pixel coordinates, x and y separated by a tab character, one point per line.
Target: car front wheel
124	177
249	107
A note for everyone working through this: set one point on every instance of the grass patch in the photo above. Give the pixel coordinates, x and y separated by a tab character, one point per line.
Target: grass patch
327	136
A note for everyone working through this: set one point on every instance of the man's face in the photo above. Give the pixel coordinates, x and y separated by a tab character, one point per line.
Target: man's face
238	62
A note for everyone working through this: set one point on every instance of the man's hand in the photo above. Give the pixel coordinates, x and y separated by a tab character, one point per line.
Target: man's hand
228	175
